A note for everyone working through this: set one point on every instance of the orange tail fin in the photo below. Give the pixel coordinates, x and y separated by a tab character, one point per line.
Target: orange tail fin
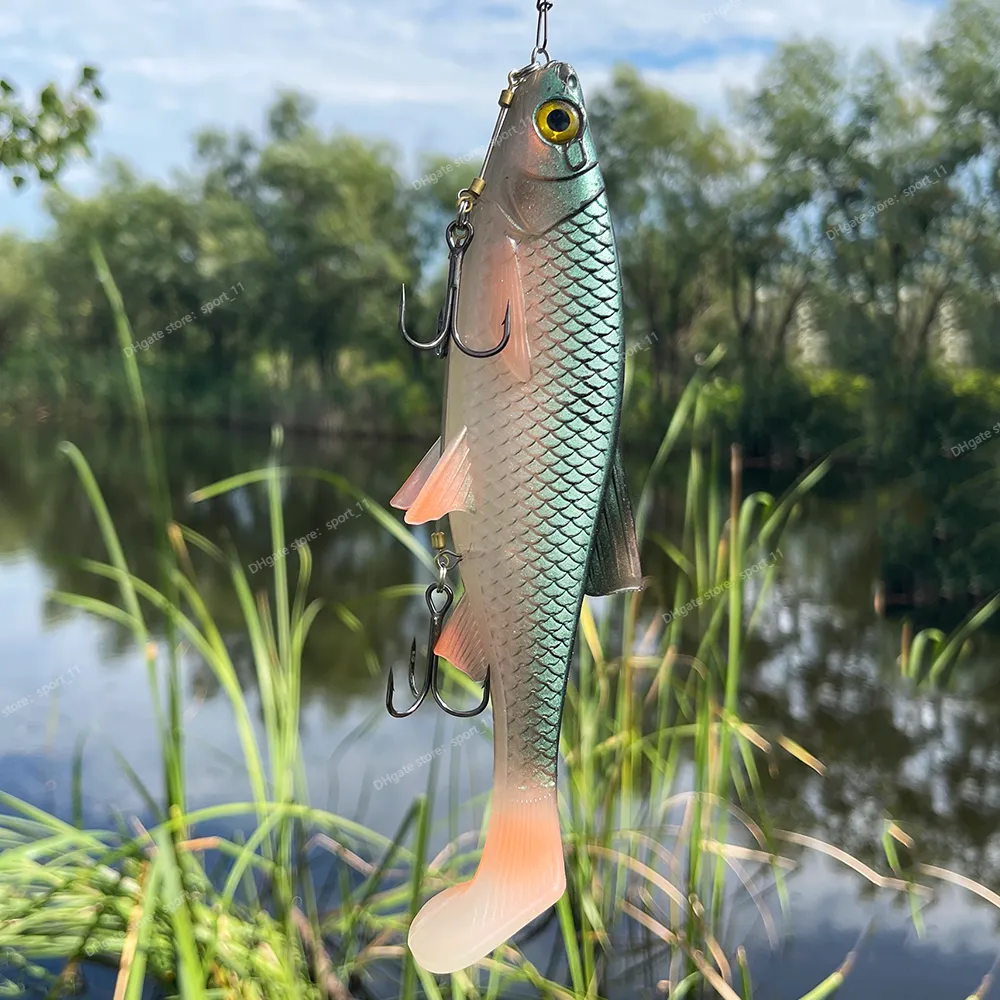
522	873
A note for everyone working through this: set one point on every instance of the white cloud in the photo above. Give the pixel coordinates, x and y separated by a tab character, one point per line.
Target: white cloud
706	83
425	73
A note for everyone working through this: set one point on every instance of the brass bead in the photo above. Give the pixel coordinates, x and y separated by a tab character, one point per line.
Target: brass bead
438	541
506	98
478	186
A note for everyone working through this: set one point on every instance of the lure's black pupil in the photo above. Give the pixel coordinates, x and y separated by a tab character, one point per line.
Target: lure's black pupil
559	120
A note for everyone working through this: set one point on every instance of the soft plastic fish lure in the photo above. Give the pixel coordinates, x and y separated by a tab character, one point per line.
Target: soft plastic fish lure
529	472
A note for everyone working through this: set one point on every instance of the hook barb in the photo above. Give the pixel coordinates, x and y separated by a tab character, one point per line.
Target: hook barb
434	345
472	713
493	352
420	695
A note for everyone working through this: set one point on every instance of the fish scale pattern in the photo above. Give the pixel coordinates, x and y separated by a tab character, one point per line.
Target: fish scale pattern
540	453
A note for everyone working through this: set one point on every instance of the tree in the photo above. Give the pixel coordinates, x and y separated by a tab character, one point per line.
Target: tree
665	171
960	67
854	149
41	140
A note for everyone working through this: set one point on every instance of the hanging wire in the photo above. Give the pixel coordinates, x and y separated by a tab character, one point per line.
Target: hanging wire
542	34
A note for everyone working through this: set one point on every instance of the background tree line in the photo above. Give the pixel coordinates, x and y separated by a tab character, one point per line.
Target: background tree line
855	298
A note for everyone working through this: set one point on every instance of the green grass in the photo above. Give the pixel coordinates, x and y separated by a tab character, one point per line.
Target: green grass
649	854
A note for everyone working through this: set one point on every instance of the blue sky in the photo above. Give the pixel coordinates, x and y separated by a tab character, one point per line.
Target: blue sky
425	73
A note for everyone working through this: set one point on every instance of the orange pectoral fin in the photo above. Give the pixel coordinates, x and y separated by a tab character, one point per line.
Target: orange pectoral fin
510	290
461	645
449	486
408	492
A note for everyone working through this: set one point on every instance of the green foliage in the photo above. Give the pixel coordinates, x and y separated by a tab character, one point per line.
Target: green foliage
980	386
964	45
267	285
662	167
836	411
41	139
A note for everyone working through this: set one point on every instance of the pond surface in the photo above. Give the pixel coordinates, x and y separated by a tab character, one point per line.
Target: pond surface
823	671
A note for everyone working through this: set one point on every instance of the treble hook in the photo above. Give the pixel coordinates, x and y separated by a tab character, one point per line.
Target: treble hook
459	236
433	664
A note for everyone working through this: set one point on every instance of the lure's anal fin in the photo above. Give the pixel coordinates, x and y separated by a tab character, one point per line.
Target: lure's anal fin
409	491
614	562
508	291
461	645
448	488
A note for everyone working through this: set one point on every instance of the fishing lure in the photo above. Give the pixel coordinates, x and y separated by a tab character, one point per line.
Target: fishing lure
529	472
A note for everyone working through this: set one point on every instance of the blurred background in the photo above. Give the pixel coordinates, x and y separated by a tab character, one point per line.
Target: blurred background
815	188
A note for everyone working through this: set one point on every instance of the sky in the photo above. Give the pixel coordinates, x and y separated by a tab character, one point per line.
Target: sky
423	73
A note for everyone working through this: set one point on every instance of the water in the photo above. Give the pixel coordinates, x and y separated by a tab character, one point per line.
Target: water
823	673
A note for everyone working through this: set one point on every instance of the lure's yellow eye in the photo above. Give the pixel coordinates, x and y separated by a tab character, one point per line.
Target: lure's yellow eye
558	121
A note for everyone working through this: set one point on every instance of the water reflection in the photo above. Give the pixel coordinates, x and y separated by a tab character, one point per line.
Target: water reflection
44	510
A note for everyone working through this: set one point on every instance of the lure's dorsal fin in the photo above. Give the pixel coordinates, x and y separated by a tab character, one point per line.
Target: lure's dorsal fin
448	487
614	561
403	500
461	645
509	288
